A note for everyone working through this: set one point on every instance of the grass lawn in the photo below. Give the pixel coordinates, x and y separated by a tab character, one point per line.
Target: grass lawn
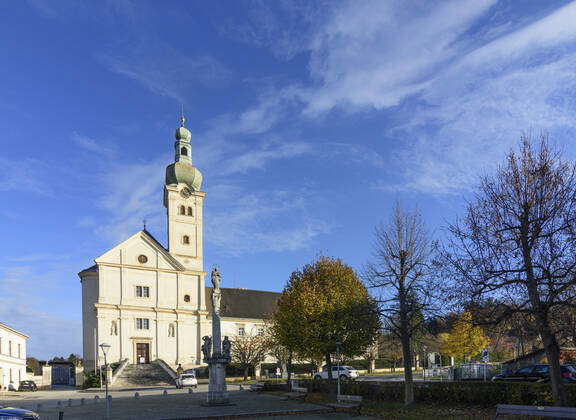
419	411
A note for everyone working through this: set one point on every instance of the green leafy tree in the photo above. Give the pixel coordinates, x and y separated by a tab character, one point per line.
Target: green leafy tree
322	304
33	365
465	339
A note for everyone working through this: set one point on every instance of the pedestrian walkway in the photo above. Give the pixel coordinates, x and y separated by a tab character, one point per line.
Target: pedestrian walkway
247	405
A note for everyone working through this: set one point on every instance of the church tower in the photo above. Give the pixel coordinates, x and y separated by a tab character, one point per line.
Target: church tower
183	201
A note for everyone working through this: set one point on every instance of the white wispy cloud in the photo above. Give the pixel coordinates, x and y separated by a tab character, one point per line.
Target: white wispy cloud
373	54
131	193
264	221
105	149
41	256
23	174
164	70
459	103
50	334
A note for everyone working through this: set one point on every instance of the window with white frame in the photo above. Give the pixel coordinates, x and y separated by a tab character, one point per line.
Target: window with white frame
241	331
9	348
142	291
260	331
19	351
142	323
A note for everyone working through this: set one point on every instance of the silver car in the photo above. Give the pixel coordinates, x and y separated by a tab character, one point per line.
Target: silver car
345	373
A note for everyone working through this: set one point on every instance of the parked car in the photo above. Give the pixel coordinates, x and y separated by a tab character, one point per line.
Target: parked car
17	414
537	373
27	386
346	373
186	379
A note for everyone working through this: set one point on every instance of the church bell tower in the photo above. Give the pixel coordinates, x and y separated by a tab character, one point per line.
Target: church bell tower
183	201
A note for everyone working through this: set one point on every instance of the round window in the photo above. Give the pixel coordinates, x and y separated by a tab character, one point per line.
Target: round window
186	298
142	259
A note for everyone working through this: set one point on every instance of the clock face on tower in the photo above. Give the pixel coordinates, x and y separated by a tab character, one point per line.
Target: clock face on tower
185	192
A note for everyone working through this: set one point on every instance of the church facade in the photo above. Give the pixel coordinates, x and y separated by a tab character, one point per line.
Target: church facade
149	302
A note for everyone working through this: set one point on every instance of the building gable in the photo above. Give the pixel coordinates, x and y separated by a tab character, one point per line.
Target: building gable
143	250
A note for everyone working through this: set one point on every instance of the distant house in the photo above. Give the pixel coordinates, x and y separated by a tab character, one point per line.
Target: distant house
567	355
12	356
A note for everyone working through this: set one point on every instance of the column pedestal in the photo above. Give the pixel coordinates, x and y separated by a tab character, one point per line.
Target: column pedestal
217	393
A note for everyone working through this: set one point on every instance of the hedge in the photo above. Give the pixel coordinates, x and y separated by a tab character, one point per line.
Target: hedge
478	393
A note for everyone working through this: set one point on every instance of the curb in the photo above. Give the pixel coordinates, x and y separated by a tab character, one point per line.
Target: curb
257	414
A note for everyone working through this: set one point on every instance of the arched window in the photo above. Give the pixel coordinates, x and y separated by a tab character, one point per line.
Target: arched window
190	211
184	151
186	240
182	210
171	330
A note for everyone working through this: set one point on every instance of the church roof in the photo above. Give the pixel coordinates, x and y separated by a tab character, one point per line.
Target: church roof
243	303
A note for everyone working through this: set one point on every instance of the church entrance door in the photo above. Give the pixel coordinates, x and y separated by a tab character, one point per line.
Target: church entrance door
142	353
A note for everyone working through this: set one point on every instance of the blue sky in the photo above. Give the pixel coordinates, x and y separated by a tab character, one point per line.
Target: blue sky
309	120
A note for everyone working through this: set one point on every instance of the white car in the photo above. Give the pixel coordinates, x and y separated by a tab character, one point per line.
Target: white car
186	379
346	373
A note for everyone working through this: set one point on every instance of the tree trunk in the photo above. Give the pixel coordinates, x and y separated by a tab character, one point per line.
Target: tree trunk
289	365
408	379
246	372
329	365
553	354
548	338
372	366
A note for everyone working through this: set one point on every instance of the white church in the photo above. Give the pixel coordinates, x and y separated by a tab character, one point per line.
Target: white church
149	302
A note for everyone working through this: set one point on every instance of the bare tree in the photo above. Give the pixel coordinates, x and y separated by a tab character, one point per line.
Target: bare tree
249	350
516	244
401	277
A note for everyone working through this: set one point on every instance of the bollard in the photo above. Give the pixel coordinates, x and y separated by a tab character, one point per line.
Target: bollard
189	390
61	415
165	393
69	402
136	395
96	399
82	401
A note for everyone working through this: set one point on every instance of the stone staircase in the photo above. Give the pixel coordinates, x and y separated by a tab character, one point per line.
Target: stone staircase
150	375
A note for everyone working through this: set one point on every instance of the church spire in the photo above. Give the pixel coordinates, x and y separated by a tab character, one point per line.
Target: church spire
182	170
182	146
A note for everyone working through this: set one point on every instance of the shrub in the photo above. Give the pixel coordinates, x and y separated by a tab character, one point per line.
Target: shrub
477	393
91	379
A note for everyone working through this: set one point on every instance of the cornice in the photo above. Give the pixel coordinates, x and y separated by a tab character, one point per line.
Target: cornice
150	309
164	270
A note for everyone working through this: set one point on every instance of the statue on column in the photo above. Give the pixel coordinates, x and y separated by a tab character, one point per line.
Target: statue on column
226	346
216	293
206	347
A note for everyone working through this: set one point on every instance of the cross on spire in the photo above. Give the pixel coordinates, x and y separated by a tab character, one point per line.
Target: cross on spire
182	119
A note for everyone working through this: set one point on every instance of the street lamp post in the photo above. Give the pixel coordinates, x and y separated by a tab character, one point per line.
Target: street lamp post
105	347
338	344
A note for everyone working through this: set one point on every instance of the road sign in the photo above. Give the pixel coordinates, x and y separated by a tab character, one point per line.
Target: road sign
485	355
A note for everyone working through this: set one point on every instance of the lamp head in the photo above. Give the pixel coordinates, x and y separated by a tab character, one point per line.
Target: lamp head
105	347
